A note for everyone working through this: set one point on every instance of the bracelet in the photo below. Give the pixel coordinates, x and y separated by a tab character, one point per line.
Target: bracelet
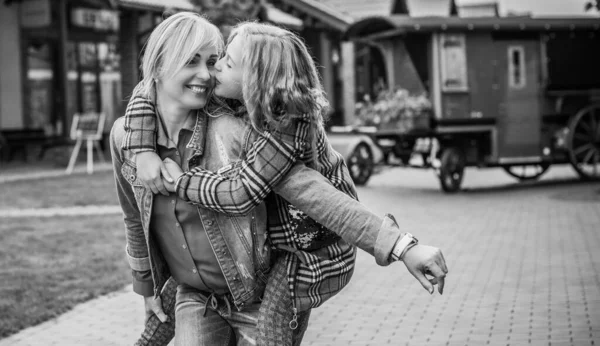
406	242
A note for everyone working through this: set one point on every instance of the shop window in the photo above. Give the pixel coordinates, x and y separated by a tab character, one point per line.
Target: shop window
40	106
93	79
453	62
516	67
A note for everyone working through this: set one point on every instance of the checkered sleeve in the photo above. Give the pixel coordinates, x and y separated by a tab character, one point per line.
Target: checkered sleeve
267	161
140	126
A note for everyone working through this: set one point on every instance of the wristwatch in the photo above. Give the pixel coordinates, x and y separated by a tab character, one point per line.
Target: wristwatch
402	245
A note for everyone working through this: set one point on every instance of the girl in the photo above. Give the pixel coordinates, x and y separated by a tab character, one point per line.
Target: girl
270	70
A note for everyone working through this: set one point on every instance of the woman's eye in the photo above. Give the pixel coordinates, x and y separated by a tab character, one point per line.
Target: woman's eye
211	63
194	61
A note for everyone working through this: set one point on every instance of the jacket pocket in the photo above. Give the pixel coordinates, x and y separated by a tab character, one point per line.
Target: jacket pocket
129	172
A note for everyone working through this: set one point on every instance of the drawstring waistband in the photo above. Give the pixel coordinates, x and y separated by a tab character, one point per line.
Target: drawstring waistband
212	302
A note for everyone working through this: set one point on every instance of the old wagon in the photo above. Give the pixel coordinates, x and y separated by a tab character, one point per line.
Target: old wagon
519	93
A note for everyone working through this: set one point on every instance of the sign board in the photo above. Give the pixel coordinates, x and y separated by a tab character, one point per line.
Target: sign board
35	13
96	19
87	126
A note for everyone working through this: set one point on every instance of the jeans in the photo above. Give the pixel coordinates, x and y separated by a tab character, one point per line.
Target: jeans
214	324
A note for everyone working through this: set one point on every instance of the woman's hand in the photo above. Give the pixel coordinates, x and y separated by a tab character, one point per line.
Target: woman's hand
173	170
152	172
154	306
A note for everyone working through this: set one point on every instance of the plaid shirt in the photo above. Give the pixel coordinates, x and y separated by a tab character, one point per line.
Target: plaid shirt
319	262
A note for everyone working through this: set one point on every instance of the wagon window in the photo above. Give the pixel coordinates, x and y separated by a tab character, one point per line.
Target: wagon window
453	62
516	67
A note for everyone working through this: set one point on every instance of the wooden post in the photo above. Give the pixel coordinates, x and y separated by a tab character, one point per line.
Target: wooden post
349	78
61	109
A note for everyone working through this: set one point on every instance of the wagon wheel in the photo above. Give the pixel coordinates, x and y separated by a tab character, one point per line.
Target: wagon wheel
452	169
584	142
360	164
527	172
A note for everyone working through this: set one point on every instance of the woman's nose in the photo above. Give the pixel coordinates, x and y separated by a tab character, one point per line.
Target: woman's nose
203	72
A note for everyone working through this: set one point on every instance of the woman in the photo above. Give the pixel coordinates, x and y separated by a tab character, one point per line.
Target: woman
369	244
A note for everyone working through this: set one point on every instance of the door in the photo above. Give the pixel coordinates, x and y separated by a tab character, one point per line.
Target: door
519	119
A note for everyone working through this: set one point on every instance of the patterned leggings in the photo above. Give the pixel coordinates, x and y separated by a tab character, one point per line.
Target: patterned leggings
276	311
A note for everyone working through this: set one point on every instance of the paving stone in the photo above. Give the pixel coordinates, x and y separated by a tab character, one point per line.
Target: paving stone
524	270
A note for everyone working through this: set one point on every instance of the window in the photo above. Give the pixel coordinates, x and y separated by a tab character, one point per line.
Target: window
453	62
516	67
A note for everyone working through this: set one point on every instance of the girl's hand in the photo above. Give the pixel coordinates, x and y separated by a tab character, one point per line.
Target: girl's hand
173	170
151	171
422	260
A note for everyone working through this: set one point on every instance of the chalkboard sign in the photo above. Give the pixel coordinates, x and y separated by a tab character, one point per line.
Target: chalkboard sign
87	126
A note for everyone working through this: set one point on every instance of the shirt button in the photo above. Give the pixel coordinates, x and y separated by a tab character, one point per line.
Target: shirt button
173	202
177	224
195	271
184	246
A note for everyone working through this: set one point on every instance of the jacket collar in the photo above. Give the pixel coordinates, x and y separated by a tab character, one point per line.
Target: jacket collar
196	123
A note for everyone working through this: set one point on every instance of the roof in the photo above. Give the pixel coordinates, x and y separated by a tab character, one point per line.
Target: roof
424	8
398	24
340	14
156	5
482	9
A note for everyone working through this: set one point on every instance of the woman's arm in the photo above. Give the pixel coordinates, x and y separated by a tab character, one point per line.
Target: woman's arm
136	248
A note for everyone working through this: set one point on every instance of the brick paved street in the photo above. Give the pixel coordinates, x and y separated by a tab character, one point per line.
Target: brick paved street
524	266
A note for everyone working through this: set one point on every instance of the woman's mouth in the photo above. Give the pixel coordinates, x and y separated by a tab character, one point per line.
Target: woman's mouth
197	89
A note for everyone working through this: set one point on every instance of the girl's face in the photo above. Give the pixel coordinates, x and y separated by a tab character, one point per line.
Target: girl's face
190	86
228	72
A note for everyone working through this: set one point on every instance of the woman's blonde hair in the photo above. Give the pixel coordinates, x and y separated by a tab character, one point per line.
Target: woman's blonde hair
280	79
173	43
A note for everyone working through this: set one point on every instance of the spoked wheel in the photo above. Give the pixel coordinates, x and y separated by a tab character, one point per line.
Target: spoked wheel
360	164
584	142
452	169
527	172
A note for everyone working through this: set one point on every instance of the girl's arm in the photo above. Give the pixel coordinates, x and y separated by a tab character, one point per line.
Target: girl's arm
305	188
140	126
267	162
140	138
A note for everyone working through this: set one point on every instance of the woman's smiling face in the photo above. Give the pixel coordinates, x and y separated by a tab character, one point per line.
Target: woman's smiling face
228	72
190	87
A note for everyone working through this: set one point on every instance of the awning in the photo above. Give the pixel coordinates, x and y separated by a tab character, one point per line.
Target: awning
277	16
156	5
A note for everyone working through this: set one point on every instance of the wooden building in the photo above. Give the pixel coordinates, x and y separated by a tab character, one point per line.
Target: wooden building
62	57
351	70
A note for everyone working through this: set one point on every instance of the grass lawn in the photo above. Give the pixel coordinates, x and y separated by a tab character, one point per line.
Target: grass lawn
74	190
51	264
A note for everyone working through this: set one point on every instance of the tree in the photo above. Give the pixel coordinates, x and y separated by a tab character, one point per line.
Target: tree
227	13
593	5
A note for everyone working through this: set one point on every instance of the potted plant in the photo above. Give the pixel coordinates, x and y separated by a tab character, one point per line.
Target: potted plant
395	110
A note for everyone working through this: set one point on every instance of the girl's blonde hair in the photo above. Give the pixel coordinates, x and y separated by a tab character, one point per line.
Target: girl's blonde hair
173	43
279	76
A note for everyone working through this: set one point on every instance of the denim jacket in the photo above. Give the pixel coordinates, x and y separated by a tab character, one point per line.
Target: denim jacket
239	243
